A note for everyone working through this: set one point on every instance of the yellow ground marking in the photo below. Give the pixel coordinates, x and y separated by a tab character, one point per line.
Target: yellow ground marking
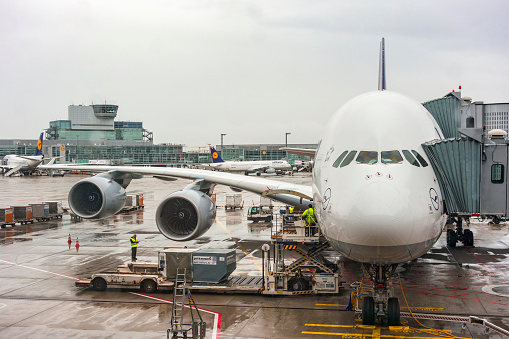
436	309
335	305
239	246
376	334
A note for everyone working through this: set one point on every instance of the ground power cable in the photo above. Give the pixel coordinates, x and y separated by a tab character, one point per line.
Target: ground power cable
428	329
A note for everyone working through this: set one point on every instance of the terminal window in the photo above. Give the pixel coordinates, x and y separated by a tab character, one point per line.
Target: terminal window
497	174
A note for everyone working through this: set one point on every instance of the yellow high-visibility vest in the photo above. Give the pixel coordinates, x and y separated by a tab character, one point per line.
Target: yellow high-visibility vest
134	243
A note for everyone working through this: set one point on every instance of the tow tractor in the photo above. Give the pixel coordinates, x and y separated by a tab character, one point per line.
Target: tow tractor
259	213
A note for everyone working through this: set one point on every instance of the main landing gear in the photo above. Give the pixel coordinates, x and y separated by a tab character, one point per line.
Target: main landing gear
381	303
464	235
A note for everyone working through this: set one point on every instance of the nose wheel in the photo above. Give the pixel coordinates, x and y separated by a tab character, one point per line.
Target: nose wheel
379	302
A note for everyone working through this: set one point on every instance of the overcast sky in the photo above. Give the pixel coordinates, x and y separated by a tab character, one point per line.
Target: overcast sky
191	70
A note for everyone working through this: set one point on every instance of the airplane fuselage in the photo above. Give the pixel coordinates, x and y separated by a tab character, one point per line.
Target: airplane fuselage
251	166
376	195
27	163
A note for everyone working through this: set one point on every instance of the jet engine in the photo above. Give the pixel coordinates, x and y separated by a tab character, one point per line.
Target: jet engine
270	170
97	197
185	215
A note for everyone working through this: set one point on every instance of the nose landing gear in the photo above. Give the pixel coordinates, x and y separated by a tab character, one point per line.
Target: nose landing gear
379	302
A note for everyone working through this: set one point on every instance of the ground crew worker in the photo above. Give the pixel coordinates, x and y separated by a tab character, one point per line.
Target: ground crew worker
309	215
134	247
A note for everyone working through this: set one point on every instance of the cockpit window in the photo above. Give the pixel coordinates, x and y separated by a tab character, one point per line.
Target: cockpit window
367	157
339	159
348	159
420	158
410	158
391	157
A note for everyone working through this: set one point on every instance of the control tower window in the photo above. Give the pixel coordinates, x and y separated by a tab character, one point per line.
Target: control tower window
339	159
420	158
367	157
497	174
391	157
348	159
410	158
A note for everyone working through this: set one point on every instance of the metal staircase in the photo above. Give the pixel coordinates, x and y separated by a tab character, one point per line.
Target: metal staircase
180	329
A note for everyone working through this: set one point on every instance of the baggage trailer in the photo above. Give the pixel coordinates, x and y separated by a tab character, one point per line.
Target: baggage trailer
23	214
233	201
6	217
133	203
55	209
40	211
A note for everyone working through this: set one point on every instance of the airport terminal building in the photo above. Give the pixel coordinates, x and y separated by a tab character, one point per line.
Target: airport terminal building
91	133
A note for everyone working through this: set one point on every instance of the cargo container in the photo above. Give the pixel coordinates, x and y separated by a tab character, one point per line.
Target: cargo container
128	201
139	199
55	209
23	214
6	216
213	265
233	201
40	211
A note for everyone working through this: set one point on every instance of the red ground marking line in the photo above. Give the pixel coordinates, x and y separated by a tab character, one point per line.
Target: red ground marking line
39	269
483	265
220	315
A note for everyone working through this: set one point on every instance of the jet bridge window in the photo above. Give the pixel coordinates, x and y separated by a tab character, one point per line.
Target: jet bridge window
497	174
420	158
410	158
339	159
391	157
348	159
367	157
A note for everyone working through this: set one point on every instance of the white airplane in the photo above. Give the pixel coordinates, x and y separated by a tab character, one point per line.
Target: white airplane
23	163
377	198
266	166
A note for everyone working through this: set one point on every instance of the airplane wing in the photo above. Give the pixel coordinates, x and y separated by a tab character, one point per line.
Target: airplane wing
299	151
12	171
295	195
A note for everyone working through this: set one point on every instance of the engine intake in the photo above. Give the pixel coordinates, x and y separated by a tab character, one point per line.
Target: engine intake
96	197
185	215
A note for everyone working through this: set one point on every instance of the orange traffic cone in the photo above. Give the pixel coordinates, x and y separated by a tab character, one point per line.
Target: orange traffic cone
77	243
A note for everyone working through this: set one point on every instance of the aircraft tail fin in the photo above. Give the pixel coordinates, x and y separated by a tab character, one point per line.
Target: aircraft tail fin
215	156
38	150
381	75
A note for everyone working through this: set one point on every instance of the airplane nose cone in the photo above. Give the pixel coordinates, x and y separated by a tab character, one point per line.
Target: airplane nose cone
380	216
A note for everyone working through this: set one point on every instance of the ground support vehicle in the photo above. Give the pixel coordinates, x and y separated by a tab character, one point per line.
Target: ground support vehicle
55	209
144	276
258	213
133	203
311	273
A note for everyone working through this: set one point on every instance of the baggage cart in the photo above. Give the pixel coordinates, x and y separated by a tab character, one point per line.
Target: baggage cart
40	211
23	214
6	217
55	209
233	201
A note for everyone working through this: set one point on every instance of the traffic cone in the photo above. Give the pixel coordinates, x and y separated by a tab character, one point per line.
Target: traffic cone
77	243
69	241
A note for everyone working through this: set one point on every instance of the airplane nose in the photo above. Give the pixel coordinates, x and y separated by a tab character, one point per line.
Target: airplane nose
380	216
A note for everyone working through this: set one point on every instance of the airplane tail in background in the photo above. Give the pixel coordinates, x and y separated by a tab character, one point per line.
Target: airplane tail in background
381	75
215	156
38	150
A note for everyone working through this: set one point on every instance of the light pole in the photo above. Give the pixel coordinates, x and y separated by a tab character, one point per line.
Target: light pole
222	135
286	139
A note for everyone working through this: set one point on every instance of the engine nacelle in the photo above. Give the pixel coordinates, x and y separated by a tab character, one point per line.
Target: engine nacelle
270	170
185	215
96	197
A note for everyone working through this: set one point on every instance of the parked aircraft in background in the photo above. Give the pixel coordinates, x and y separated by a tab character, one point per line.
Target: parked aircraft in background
258	167
13	163
376	198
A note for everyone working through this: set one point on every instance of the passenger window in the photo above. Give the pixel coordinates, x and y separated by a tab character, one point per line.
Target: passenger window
497	174
367	157
348	159
391	157
339	159
410	158
420	158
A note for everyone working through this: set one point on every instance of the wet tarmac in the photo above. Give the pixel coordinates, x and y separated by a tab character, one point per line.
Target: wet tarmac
38	270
